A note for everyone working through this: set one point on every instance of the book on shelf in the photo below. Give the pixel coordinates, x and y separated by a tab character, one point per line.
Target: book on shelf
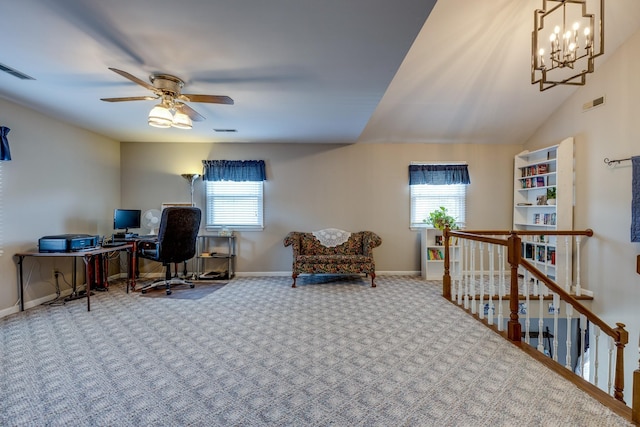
434	255
528	251
534	170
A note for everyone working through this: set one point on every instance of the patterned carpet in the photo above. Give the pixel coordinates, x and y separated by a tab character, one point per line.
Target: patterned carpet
259	353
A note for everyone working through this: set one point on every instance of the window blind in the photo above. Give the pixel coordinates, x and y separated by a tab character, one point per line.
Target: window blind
426	198
234	204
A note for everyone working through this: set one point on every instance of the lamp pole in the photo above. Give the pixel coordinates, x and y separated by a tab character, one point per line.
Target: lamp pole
191	177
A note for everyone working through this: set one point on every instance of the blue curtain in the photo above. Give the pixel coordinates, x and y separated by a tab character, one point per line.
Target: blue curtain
234	170
635	199
5	153
438	174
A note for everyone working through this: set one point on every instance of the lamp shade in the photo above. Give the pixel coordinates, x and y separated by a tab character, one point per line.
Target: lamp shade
5	154
160	117
181	121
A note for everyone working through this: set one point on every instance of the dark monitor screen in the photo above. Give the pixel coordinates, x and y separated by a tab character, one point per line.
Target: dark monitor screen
124	219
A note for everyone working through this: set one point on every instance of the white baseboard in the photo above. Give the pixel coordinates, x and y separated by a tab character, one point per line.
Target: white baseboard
398	273
33	303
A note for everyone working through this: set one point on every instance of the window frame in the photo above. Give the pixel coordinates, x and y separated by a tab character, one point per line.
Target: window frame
210	201
457	208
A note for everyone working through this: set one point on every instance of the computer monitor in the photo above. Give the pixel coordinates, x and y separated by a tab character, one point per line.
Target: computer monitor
124	219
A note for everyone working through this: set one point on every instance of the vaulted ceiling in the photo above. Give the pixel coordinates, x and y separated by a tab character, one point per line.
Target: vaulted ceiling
343	71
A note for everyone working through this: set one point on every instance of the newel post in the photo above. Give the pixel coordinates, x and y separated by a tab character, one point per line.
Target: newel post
623	339
446	279
514	328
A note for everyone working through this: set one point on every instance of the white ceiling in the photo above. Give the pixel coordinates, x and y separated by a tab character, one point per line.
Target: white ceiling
298	70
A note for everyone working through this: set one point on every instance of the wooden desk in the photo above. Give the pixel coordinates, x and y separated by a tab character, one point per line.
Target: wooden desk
89	257
132	268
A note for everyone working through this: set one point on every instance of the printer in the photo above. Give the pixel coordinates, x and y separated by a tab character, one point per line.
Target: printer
67	242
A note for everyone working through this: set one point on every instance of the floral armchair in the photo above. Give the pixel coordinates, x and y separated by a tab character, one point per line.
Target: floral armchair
333	251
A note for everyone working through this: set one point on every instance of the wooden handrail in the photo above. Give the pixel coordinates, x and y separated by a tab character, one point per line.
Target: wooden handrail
593	318
514	329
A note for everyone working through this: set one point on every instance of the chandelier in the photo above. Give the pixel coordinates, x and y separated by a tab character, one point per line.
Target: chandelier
565	41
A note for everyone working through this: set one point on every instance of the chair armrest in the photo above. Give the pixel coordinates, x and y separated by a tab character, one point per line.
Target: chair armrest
293	239
370	240
148	249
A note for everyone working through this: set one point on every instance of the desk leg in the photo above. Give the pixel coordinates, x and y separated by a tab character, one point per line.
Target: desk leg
105	270
132	266
87	275
21	290
74	282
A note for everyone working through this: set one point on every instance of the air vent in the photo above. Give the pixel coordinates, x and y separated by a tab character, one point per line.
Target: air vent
15	73
226	130
592	104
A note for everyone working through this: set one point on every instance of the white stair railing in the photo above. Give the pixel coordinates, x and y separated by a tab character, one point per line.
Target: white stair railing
486	262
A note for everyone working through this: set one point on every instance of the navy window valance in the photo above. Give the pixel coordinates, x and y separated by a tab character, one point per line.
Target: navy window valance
5	153
438	174
234	170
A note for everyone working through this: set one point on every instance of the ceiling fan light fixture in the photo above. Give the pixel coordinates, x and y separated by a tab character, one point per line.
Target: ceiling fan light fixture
160	117
181	121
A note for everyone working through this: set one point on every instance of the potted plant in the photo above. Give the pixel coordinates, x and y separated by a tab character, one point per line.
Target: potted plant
551	195
440	218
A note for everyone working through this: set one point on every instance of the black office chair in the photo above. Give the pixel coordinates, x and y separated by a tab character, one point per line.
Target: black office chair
176	243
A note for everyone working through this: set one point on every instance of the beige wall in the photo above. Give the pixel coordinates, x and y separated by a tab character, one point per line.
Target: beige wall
603	194
62	179
314	186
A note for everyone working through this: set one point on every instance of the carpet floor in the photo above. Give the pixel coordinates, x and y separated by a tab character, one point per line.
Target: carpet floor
257	352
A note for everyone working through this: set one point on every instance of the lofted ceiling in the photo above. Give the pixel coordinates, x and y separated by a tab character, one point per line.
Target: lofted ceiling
300	71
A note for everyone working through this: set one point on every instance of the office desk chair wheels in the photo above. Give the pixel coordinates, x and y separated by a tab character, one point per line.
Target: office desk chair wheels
191	285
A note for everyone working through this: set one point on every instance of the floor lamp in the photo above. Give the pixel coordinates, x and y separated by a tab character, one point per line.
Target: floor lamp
191	177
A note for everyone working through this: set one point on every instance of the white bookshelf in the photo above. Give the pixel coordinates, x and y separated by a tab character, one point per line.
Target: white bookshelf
432	254
534	173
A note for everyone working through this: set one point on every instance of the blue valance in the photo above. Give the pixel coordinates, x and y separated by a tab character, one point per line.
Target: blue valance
438	174
5	154
234	170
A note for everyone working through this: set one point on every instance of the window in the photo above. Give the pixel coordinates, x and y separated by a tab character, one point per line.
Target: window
435	185
234	204
234	193
426	198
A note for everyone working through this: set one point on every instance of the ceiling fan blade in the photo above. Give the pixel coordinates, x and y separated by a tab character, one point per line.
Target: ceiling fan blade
193	114
211	99
133	79
130	98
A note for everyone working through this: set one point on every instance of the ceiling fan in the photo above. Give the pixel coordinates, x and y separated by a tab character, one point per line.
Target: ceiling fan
172	109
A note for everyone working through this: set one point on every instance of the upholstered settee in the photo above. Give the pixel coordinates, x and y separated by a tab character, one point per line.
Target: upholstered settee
332	251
